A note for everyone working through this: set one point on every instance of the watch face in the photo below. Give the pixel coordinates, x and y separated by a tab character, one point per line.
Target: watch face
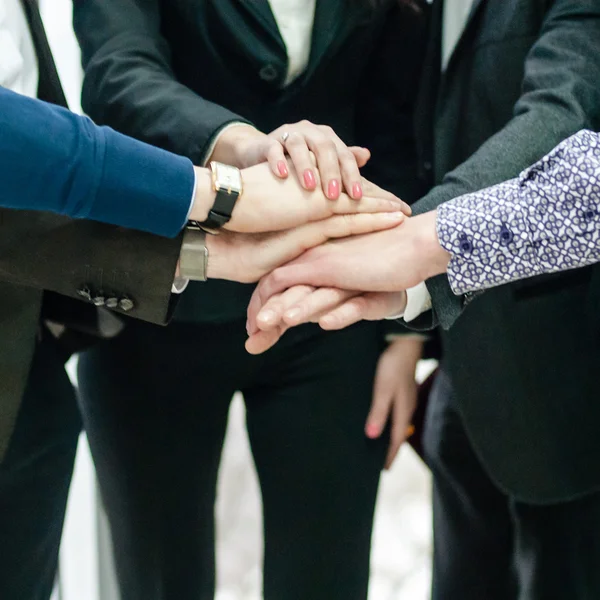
227	178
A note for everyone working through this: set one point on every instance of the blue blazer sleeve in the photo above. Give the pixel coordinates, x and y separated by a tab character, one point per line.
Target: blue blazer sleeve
53	160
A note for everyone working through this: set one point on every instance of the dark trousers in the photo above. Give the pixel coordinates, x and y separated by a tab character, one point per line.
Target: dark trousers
155	403
35	478
488	545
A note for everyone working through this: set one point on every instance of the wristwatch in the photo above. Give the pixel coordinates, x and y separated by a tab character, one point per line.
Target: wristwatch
193	258
227	183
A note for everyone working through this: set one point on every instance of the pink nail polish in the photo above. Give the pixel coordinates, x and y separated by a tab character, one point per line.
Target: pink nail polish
309	179
333	189
357	191
282	168
372	430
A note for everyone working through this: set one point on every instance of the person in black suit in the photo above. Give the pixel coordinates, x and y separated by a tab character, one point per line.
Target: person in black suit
172	73
511	429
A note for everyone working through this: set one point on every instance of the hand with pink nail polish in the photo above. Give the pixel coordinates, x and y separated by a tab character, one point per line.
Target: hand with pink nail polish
395	393
317	148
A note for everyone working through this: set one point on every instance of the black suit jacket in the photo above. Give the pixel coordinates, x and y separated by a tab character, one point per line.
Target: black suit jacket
523	358
42	253
173	72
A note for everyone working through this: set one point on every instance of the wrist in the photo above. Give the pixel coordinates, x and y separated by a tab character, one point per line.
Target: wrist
435	258
204	195
217	265
231	145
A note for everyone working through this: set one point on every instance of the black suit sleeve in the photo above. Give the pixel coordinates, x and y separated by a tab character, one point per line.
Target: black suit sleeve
561	95
54	253
129	82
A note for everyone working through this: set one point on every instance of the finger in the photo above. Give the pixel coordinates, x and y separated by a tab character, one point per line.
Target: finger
327	154
362	155
254	306
276	159
264	340
341	226
367	204
372	306
300	156
314	305
351	177
372	190
383	396
399	431
271	314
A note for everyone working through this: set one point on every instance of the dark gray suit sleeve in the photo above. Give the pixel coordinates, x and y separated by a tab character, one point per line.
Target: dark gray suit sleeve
129	81
54	253
561	95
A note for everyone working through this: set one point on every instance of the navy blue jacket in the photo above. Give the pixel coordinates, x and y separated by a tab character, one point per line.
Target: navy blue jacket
53	160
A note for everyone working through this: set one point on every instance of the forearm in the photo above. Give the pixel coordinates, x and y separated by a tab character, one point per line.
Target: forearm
89	261
130	84
547	220
53	160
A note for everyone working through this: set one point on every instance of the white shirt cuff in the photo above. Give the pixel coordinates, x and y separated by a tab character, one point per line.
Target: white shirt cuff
418	301
181	283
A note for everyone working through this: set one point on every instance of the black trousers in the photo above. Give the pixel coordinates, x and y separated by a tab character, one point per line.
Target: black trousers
487	545
35	478
155	403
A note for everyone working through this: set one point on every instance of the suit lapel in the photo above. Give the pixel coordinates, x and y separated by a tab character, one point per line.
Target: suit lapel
471	19
49	88
333	20
425	106
261	11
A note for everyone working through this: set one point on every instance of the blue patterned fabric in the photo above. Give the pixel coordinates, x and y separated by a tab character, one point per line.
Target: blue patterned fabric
546	220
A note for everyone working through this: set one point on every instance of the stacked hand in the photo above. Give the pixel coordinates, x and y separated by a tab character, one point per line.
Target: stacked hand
346	249
342	282
280	214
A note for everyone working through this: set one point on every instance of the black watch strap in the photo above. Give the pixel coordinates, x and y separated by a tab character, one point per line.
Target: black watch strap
222	209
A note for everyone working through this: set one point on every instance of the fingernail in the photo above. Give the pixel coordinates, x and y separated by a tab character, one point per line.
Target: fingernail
372	430
282	168
333	189
309	179
293	314
267	316
357	191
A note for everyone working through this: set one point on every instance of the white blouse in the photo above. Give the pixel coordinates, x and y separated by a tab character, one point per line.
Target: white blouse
18	61
295	20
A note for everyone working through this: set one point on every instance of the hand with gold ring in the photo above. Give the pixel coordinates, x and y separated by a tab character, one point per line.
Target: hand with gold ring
311	147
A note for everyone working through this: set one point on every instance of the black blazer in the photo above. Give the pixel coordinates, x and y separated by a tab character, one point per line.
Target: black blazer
173	72
42	253
523	358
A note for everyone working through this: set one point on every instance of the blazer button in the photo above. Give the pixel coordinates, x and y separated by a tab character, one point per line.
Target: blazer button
85	294
98	300
112	302
268	73
126	304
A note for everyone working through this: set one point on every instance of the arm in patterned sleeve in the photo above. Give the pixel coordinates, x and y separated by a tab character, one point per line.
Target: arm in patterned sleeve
546	220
